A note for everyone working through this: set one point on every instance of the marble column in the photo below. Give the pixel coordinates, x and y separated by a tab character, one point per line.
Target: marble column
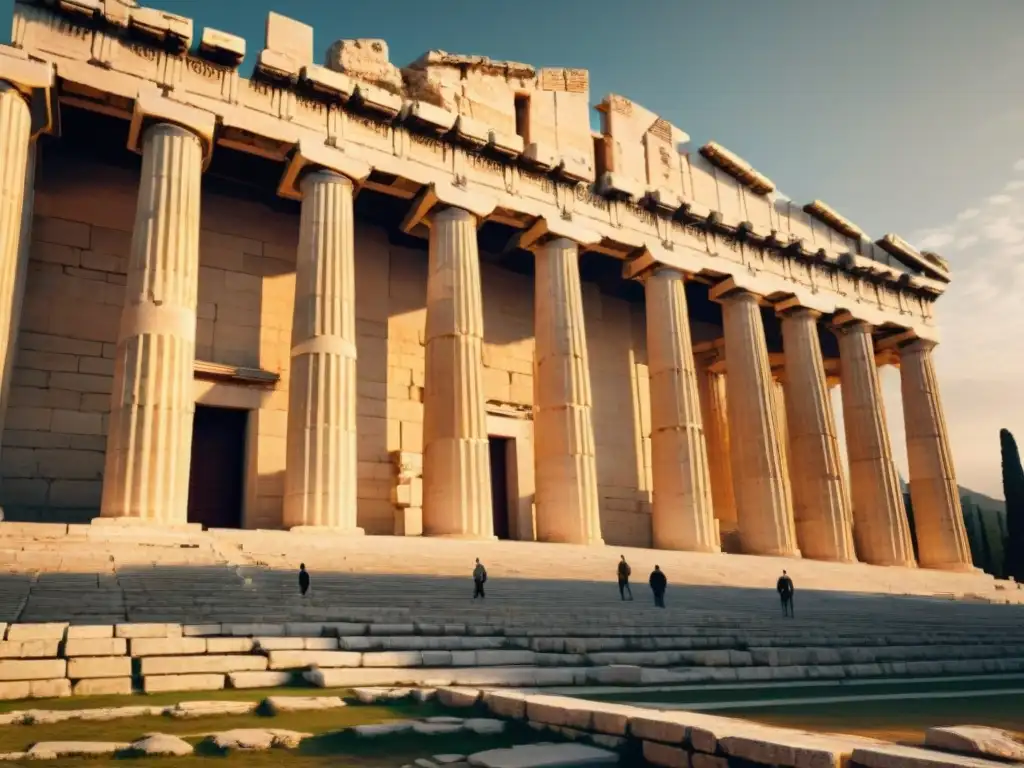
17	178
682	516
880	529
780	412
763	503
714	415
566	469
149	438
821	503
320	475
938	518
456	459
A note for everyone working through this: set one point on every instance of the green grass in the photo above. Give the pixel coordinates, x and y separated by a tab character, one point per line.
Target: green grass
328	748
329	744
166	699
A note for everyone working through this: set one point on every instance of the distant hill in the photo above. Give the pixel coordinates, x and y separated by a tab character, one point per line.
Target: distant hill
983	501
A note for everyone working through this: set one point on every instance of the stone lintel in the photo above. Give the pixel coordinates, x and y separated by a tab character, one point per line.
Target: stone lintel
222	46
311	155
545	229
35	81
440	195
336	85
152	107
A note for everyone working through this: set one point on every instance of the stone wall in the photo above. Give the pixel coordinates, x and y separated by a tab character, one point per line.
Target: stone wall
55	436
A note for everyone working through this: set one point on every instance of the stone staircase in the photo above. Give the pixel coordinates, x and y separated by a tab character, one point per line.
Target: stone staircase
96	609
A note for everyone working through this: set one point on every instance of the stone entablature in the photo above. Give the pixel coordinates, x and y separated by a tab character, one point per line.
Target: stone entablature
452	126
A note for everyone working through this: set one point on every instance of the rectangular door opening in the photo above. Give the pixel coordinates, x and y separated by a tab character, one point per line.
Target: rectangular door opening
499	448
216	481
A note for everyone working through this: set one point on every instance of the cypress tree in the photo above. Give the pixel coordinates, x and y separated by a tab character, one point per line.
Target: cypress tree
1013	492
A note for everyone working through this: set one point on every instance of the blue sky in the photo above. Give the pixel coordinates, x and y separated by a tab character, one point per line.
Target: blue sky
905	116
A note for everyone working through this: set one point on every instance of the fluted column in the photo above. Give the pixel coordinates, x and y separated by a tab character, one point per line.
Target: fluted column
821	504
763	503
17	177
320	475
880	528
456	461
566	469
150	434
682	516
714	414
938	518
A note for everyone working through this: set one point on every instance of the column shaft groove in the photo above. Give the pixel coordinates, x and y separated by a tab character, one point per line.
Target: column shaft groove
456	458
17	176
880	529
566	468
714	413
682	516
149	439
763	503
321	459
821	503
938	517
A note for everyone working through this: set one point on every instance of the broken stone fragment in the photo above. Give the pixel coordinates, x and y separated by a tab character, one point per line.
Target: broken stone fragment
257	739
545	756
162	745
367	60
976	740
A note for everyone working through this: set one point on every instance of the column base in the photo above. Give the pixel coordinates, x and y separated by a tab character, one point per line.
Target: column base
141	522
459	536
956	567
327	530
669	547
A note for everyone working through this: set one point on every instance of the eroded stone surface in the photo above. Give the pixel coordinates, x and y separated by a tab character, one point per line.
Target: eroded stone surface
161	744
976	740
278	704
257	739
544	756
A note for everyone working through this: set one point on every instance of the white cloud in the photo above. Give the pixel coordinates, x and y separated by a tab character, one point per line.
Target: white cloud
1019	165
1013	186
970	213
936	240
1000	199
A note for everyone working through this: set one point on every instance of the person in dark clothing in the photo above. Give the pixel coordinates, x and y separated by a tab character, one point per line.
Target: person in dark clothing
303	579
658	584
624	573
479	578
785	588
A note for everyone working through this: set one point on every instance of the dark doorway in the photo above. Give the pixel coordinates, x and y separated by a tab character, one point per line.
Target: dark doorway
216	478
499	485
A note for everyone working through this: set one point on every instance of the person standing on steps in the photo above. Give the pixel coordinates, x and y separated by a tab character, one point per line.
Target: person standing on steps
303	579
624	573
658	584
785	588
479	578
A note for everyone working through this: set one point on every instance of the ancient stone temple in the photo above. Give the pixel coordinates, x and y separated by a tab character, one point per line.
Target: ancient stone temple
348	297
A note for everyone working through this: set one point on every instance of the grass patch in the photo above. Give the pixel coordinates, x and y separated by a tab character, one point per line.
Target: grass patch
323	750
167	699
17	738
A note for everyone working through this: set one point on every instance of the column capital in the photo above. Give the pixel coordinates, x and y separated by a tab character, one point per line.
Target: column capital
311	156
918	346
844	321
792	307
35	81
545	229
153	108
729	290
438	196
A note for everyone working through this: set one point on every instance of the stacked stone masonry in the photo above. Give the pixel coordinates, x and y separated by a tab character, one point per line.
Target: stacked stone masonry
56	659
134	297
